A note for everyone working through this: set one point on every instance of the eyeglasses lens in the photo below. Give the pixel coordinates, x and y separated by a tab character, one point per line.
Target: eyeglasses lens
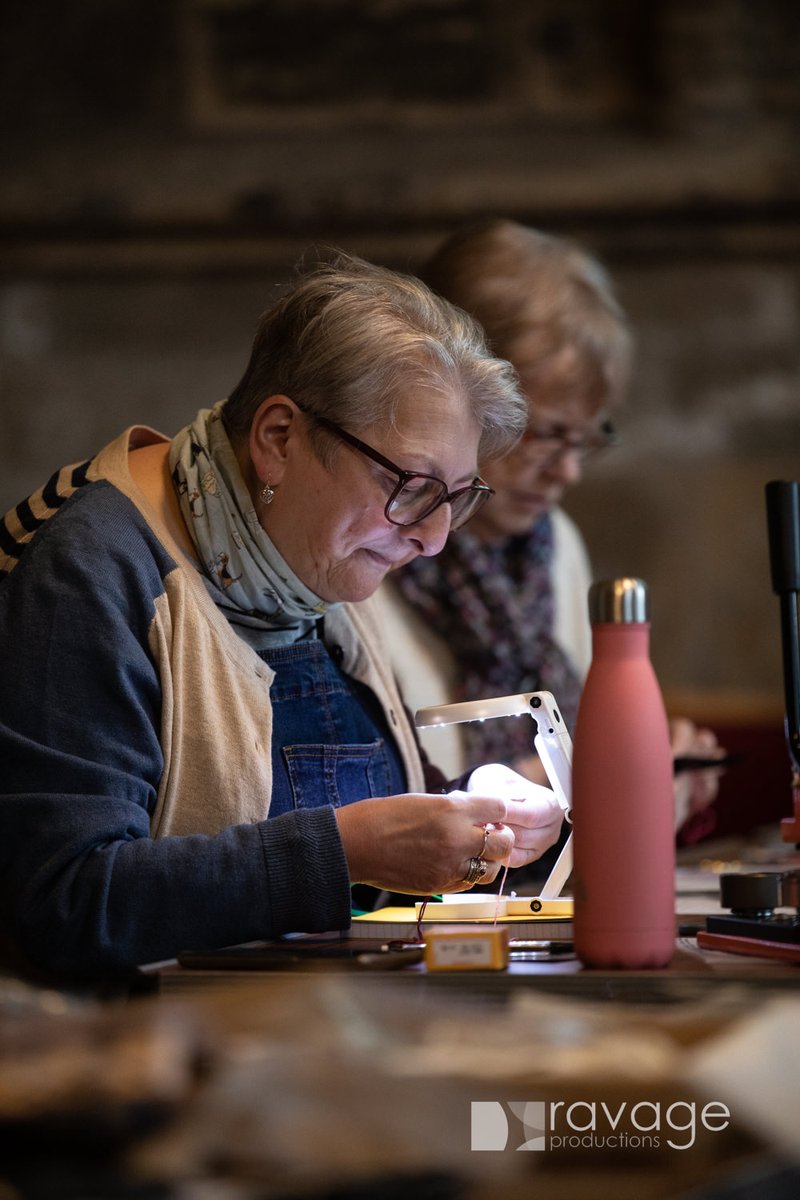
415	500
418	498
467	504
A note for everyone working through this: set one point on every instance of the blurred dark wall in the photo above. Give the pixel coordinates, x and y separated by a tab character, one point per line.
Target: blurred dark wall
167	161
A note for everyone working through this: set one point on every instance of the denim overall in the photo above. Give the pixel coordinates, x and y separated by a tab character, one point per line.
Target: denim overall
331	743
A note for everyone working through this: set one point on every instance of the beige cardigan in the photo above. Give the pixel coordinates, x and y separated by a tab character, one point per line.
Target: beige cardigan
216	720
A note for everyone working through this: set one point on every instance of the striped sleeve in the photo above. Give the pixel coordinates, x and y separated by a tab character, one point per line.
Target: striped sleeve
21	524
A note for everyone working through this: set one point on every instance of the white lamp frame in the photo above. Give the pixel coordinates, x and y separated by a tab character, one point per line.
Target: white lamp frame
551	742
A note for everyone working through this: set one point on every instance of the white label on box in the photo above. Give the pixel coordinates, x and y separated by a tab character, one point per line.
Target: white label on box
454	952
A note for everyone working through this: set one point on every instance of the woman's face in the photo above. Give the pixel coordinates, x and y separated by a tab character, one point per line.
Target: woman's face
329	524
547	460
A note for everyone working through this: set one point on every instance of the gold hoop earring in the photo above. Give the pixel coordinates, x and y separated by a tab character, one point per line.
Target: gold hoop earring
267	493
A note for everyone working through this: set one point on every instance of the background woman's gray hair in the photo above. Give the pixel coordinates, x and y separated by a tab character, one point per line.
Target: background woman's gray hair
349	340
542	301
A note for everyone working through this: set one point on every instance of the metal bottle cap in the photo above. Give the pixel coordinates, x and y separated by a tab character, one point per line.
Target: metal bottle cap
619	602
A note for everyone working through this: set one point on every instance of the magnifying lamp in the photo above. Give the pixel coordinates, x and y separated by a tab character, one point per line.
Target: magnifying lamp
551	742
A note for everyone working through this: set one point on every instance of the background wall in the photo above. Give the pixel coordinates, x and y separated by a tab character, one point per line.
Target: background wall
167	161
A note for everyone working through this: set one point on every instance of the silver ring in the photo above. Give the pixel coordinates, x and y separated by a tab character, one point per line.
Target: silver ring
476	870
486	831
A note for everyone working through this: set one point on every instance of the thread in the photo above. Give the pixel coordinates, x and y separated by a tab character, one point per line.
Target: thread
499	894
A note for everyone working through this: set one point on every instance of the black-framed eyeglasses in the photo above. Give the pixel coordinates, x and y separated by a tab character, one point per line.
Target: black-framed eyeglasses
416	496
546	444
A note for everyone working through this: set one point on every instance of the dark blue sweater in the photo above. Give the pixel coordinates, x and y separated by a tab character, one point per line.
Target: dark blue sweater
94	614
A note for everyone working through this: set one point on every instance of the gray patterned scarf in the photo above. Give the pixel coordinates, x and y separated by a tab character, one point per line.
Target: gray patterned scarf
244	573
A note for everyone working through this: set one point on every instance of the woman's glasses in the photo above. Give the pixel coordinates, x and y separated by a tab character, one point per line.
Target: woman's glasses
416	496
546	443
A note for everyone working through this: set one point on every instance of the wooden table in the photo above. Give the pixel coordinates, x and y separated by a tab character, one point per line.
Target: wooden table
692	975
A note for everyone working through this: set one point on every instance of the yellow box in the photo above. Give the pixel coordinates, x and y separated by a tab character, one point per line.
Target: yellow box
466	948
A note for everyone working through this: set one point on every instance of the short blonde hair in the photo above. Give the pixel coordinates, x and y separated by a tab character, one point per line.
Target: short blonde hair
544	304
349	340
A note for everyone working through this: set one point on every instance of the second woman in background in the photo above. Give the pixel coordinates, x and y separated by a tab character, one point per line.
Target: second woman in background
502	609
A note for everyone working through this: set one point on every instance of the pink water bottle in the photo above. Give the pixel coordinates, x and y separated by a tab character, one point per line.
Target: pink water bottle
622	792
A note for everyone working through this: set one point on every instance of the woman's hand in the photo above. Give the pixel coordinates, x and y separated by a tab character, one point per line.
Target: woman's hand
421	844
534	814
694	790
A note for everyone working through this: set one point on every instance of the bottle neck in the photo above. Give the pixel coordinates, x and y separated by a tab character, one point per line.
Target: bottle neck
621	641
